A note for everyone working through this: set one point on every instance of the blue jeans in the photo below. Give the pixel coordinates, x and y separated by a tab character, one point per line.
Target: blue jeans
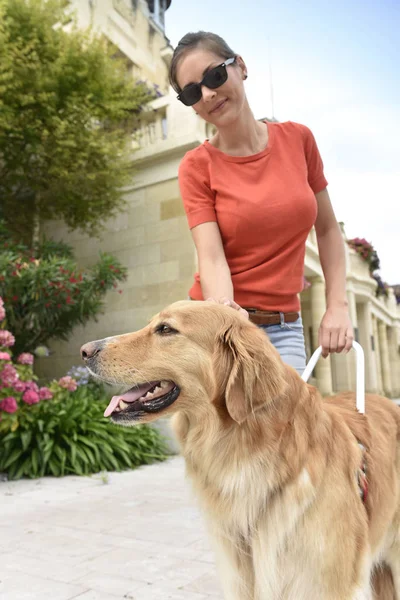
288	339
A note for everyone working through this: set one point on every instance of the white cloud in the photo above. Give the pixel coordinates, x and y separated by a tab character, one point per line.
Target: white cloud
368	203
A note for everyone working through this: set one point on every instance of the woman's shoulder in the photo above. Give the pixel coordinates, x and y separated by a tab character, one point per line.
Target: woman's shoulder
197	158
290	128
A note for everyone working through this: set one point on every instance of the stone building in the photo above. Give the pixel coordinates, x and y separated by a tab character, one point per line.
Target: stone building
152	238
376	322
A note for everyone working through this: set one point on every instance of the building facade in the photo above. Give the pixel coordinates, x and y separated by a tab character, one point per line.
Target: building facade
376	323
152	238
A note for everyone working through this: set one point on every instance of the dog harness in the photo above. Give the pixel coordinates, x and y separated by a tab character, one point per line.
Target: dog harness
362	476
360	401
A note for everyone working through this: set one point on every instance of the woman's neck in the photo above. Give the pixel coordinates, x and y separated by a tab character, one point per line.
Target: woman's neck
244	137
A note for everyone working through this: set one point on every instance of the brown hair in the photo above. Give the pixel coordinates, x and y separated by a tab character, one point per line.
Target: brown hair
190	41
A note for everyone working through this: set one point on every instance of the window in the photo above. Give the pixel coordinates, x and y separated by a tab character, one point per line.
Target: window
164	128
157	10
151	38
151	133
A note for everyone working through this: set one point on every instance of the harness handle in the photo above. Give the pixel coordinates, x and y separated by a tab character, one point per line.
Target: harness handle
360	373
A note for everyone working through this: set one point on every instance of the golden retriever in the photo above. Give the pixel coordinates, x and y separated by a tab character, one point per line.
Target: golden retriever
274	466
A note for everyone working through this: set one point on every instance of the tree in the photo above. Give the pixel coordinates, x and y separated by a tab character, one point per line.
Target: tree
67	112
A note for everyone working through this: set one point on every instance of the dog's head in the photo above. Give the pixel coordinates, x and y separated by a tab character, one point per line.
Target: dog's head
192	356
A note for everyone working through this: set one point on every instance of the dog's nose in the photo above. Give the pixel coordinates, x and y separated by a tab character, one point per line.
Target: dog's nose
90	350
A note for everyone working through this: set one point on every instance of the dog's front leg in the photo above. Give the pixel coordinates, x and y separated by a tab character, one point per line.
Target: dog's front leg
235	566
394	562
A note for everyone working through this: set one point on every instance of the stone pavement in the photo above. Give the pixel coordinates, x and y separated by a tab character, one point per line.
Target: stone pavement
137	536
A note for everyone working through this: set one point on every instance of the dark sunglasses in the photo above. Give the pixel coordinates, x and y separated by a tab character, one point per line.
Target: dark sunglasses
213	79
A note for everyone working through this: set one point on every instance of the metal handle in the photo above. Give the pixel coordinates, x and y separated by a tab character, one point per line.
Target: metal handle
360	374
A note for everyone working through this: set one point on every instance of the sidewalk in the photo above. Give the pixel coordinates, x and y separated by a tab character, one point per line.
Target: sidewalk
138	537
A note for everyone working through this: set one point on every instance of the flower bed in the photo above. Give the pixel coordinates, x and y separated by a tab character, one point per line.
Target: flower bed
366	251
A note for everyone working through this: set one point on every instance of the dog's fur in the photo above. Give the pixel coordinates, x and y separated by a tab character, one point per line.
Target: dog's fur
274	465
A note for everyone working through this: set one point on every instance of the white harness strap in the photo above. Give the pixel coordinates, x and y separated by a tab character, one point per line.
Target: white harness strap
360	374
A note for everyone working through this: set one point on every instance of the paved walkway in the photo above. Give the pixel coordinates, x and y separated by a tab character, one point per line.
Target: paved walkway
138	536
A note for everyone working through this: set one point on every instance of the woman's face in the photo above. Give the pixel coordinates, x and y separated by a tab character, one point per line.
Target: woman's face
222	105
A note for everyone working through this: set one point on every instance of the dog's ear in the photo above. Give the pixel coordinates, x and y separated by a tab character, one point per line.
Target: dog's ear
249	369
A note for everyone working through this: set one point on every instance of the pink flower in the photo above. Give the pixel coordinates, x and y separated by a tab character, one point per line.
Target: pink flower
9	405
31	385
1	301
2	313
6	338
5	356
19	386
45	394
25	358
9	375
68	383
30	397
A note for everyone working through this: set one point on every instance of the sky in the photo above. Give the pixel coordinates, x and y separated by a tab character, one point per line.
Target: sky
335	67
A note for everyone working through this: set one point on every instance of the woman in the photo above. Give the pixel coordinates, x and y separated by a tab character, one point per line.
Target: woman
252	194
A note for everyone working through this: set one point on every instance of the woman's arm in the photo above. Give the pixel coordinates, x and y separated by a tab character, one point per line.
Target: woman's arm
336	332
215	275
331	251
199	203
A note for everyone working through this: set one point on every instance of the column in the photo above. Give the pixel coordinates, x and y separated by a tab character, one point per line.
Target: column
323	372
352	359
366	339
307	322
377	355
344	365
394	359
385	360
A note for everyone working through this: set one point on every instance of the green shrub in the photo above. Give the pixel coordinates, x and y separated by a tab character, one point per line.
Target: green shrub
47	296
69	435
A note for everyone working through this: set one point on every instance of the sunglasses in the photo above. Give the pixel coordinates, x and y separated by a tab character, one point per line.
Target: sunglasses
213	79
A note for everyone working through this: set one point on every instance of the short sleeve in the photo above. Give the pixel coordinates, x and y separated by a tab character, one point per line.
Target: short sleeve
197	196
315	167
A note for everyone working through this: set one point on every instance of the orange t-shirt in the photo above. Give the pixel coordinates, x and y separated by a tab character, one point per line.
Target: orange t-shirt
264	205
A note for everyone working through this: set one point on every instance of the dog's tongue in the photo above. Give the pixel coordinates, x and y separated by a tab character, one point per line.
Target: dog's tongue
112	406
130	396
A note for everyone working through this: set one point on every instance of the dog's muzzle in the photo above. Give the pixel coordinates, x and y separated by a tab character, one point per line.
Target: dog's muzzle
91	349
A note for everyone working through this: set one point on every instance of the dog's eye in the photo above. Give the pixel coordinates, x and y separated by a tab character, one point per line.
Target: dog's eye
165	329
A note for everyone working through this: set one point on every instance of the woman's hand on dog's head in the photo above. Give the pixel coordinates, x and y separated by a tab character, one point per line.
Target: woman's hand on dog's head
227	302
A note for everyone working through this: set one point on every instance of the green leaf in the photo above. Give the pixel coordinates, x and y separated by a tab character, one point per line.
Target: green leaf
73	451
9	437
111	458
91	444
81	454
12	471
12	458
60	452
23	468
35	462
26	438
54	467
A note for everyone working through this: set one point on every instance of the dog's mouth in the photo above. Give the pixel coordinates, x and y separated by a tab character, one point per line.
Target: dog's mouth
146	398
